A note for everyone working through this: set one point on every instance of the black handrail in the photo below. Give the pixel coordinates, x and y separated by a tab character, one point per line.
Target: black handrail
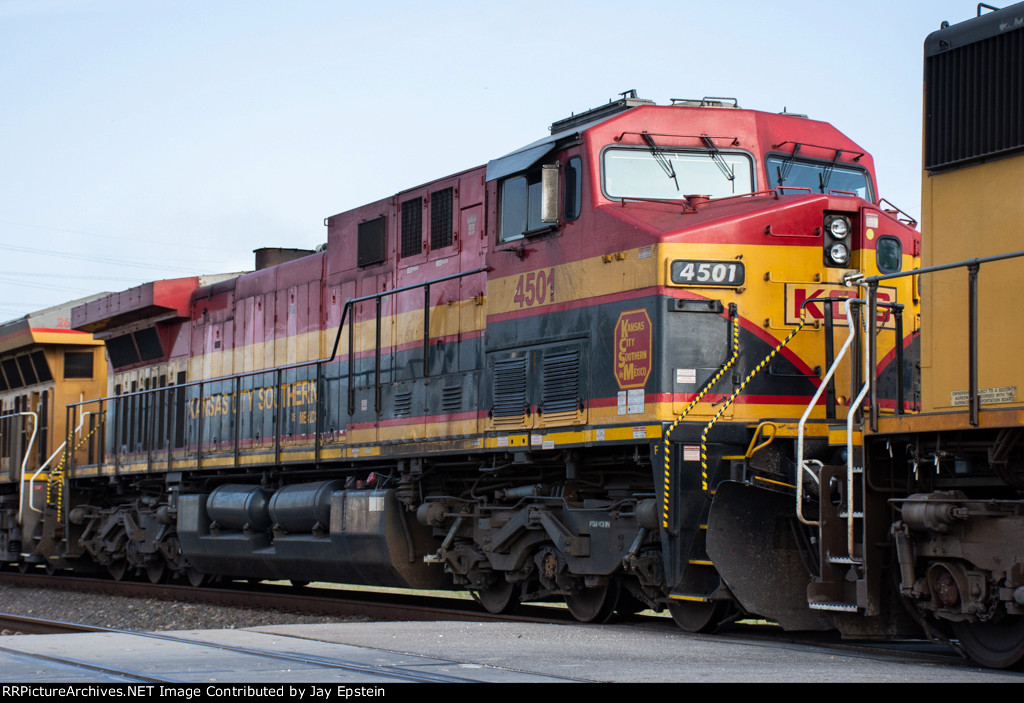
279	370
973	267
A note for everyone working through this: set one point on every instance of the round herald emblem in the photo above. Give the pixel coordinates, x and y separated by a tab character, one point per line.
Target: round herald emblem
633	349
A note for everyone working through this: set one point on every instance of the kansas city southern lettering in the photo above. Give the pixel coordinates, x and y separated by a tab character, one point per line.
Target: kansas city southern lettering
633	349
289	395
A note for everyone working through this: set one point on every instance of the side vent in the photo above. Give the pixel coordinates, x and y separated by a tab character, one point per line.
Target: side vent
451	399
403	404
561	388
509	392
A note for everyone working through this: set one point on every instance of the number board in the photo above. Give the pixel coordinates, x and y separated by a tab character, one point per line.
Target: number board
686	272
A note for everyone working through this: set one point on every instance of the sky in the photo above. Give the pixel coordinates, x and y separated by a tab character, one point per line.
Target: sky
151	139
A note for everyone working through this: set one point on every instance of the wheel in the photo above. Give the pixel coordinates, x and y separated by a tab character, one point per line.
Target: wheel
696	616
51	569
500	598
998	645
156	571
594	604
195	577
118	569
24	566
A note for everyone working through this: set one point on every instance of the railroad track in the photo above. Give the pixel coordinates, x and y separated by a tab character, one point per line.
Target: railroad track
331	602
410	607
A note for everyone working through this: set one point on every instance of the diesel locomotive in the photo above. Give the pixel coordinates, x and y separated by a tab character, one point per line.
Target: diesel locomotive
671	356
526	380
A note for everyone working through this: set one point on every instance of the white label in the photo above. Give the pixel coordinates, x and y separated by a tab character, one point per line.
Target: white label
548	444
502	441
635	401
440	262
376	504
691	452
645	253
686	375
639	432
600	435
1006	394
412	269
871	220
536	440
622	402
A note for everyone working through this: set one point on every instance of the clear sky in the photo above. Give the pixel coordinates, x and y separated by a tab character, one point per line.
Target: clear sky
149	139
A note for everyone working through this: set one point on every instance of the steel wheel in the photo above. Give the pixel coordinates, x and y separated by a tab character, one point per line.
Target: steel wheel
118	569
156	571
500	598
195	577
697	616
998	645
594	604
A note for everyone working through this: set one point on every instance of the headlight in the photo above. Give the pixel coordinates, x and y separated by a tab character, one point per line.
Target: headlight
839	228
839	253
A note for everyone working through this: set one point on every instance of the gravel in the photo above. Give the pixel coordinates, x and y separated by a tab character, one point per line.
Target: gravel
143	614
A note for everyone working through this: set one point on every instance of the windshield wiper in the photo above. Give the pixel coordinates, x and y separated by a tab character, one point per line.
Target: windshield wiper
716	156
826	174
660	157
786	166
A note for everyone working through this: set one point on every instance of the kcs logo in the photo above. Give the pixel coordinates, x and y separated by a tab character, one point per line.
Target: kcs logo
798	295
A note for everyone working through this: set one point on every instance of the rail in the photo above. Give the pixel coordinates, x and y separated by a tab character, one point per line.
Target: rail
973	267
866	387
172	408
28	453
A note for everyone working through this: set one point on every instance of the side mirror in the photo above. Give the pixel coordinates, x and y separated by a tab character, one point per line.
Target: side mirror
549	193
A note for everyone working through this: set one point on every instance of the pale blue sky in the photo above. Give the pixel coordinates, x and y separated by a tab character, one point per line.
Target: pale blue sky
148	139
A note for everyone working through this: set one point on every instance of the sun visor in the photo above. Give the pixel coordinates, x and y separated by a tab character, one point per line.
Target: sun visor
519	160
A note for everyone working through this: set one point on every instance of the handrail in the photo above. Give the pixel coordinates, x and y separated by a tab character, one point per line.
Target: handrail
28	453
801	464
31	481
973	266
279	370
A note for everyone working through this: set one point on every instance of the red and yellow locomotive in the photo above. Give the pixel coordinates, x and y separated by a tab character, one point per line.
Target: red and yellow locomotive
526	380
540	379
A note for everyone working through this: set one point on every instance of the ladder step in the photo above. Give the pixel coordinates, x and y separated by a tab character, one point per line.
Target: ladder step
840	607
845	560
857	514
701	562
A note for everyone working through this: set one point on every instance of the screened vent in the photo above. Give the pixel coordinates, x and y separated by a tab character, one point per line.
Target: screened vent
510	388
451	399
412	227
78	364
403	404
372	242
441	218
974	100
561	391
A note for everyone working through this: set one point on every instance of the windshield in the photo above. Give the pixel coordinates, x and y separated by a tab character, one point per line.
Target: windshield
662	174
819	177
